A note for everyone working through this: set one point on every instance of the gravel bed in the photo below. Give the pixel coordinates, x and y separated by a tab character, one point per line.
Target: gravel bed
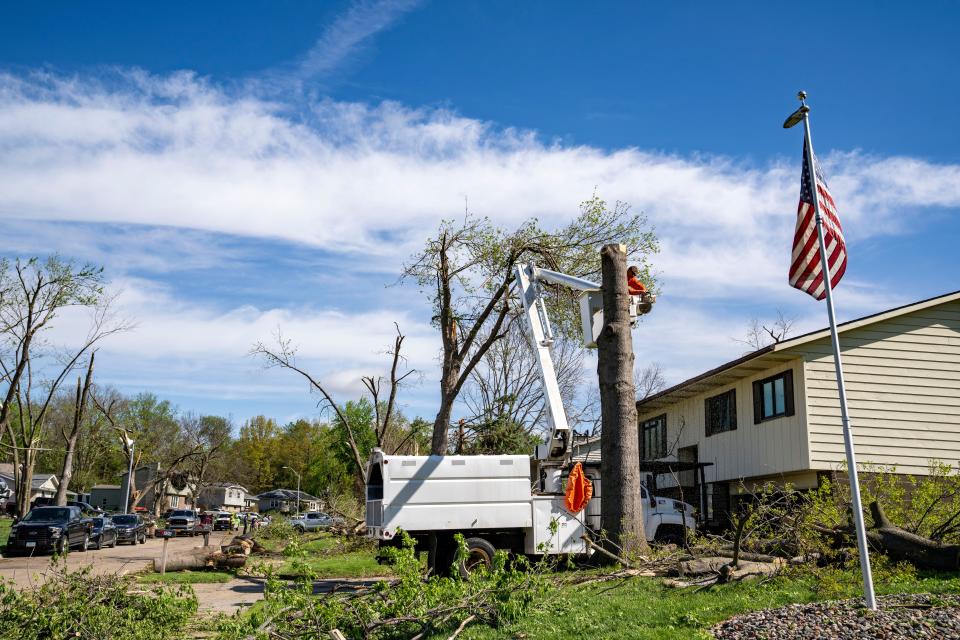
901	616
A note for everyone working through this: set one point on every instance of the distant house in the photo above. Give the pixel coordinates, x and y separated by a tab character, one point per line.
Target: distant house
226	496
42	485
774	414
173	497
285	501
108	497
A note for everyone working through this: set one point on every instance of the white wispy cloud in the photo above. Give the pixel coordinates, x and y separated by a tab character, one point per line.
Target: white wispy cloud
177	151
338	44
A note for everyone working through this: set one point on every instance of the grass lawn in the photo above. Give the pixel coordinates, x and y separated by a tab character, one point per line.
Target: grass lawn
642	608
356	564
186	577
5	524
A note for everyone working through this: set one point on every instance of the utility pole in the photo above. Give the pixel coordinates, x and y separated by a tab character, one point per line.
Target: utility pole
622	506
126	491
298	488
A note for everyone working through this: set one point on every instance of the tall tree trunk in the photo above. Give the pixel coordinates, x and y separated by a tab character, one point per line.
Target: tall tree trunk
66	469
621	506
441	425
25	482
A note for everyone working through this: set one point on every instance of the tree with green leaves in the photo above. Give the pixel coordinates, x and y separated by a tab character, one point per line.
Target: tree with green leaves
467	271
33	293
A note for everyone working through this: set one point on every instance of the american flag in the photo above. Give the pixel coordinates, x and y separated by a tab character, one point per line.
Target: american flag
806	271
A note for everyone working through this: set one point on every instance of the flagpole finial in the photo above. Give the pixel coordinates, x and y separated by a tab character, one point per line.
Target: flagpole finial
797	116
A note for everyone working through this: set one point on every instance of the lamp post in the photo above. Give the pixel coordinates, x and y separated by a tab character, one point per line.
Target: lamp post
126	490
298	488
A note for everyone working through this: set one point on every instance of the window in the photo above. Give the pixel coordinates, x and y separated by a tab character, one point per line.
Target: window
653	438
773	397
720	412
174	501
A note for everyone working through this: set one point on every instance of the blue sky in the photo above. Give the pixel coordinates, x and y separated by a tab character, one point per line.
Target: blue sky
239	167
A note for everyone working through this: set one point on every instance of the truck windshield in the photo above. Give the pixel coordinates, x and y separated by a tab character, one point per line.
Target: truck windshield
125	519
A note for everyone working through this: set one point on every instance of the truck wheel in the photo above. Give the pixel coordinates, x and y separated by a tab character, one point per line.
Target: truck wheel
60	547
479	554
300	529
669	534
85	544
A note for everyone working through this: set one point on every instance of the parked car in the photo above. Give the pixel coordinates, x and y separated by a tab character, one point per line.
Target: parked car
224	521
130	527
104	533
313	521
50	529
183	521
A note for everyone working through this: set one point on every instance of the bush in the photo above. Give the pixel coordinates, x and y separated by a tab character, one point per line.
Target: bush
80	605
278	529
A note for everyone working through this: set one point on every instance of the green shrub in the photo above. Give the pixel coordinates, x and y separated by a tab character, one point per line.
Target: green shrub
278	529
80	605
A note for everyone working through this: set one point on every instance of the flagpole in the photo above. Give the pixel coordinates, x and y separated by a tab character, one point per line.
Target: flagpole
841	387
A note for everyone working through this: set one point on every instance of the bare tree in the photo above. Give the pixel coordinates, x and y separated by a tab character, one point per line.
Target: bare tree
284	356
208	437
760	335
507	384
649	380
467	269
70	436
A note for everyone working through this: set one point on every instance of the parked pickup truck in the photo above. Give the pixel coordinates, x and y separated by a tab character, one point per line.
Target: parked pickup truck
313	521
50	529
183	522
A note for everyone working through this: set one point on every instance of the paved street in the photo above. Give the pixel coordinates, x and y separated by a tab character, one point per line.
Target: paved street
122	559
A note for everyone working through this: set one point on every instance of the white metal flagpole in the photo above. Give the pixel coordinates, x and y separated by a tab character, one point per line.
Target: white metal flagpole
869	596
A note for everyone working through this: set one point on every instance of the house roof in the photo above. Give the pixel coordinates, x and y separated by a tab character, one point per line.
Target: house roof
770	355
284	494
226	485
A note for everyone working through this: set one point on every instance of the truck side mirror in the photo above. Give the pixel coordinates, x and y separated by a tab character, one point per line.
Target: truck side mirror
653	500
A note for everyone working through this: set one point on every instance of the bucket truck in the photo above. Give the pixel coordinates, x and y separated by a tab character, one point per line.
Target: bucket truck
509	502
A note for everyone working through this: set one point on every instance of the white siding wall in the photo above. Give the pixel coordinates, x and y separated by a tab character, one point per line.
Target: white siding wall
773	447
903	389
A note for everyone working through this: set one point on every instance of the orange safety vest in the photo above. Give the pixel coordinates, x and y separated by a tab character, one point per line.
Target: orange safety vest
579	490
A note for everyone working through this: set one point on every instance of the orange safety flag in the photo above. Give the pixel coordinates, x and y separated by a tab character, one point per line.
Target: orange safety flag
579	489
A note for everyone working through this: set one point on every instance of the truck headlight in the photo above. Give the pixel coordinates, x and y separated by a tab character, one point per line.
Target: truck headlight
679	506
55	532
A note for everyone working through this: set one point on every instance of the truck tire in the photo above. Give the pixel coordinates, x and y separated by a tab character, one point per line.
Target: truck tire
85	543
60	546
669	534
479	554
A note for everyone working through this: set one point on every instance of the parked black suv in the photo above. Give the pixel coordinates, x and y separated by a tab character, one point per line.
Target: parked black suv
50	529
130	528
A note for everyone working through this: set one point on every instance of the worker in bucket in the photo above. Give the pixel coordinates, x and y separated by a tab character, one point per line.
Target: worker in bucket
634	286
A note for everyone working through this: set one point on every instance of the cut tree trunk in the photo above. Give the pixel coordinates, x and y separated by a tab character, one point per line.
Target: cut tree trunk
903	545
621	507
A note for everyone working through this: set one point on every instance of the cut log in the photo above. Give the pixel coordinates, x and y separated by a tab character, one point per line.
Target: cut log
201	558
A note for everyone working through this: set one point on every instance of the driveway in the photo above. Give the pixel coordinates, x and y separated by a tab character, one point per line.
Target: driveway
25	571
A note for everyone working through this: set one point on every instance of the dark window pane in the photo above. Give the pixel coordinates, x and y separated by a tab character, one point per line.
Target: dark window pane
767	399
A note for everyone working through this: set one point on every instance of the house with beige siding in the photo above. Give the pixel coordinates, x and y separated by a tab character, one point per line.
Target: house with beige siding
774	414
